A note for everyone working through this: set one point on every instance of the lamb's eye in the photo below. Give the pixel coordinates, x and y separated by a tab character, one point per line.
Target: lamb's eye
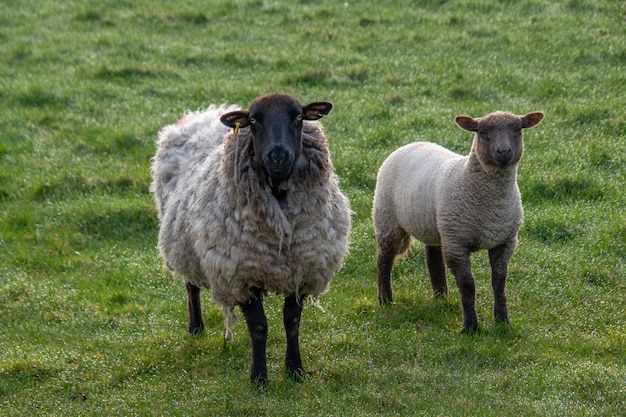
298	117
252	121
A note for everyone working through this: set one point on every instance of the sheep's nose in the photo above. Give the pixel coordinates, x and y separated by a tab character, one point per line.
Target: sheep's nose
278	155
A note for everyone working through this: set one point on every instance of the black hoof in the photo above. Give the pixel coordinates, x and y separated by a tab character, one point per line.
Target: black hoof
297	375
385	300
440	294
259	381
500	318
196	330
470	329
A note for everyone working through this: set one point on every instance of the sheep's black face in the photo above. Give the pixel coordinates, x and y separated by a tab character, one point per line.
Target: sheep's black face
277	134
276	124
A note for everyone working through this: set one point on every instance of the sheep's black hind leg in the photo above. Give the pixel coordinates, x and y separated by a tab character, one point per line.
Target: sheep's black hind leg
194	306
257	327
436	270
499	260
292	313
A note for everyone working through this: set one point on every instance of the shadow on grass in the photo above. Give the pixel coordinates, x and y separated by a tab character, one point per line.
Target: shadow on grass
24	374
550	231
135	223
71	186
565	190
435	312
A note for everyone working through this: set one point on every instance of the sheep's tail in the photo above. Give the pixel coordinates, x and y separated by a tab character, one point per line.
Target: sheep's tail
229	320
315	302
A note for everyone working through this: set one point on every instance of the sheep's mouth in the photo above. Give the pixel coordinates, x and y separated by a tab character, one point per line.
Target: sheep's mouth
505	158
279	172
278	165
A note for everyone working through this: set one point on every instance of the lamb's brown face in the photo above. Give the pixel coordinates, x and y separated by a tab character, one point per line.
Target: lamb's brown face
499	139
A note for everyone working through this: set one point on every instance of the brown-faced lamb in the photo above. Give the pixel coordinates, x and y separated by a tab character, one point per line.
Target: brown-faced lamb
249	204
455	205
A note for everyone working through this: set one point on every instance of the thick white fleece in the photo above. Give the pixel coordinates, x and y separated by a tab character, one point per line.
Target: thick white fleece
221	227
443	198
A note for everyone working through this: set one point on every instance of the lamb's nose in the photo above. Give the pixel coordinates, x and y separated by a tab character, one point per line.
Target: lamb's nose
504	151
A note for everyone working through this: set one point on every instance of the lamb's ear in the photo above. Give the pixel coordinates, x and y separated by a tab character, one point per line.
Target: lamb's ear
314	111
531	119
233	118
467	123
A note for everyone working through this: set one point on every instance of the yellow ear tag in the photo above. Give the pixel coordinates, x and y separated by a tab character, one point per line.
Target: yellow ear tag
236	131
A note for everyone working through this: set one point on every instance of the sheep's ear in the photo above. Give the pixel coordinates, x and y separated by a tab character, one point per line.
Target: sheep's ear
531	119
233	118
467	123
314	111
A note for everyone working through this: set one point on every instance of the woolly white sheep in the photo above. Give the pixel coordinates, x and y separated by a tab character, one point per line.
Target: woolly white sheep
455	205
251	210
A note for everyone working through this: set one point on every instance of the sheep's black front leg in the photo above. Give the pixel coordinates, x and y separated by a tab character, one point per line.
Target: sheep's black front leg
458	261
436	270
291	317
257	327
194	306
499	260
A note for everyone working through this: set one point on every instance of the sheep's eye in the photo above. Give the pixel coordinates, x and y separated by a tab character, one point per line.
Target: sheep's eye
298	117
252	121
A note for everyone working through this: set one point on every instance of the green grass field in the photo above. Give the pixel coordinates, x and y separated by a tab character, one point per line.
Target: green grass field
92	324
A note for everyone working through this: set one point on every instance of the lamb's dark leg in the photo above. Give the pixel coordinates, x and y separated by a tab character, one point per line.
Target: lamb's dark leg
291	318
436	270
384	264
257	327
196	325
499	260
458	261
388	249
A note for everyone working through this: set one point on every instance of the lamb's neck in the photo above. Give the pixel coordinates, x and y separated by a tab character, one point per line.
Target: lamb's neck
498	176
